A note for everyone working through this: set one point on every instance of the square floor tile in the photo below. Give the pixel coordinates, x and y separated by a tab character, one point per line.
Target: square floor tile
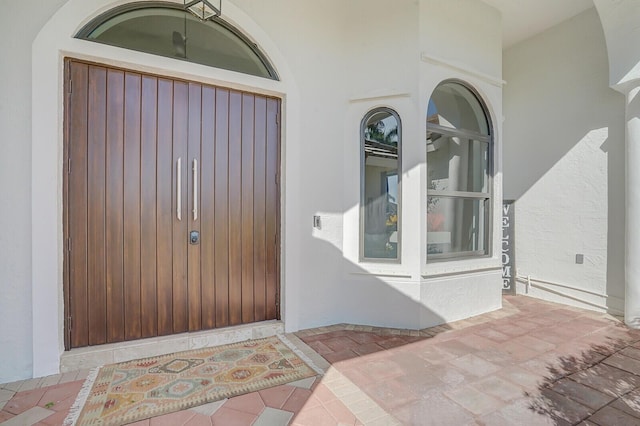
29	417
475	365
423	412
630	404
475	401
276	397
560	406
607	379
499	388
611	416
582	394
272	417
625	363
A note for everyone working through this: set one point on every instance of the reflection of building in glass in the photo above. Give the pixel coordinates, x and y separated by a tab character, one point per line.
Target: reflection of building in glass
381	198
458	174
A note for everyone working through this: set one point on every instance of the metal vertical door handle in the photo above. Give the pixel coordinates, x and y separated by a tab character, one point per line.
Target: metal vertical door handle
195	189
179	190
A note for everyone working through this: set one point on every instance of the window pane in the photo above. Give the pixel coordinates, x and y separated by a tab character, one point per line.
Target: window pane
457	225
381	195
178	34
453	105
457	164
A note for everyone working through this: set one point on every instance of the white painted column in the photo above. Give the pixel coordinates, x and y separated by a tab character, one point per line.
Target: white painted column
632	182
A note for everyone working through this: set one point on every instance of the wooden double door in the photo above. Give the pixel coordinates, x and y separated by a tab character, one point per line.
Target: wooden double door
171	206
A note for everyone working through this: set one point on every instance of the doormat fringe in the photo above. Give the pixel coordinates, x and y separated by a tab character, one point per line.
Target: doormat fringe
81	399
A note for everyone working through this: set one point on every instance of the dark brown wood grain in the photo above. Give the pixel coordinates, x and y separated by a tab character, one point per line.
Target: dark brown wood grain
77	206
114	206
259	211
131	272
165	203
96	146
193	255
131	204
221	219
180	227
235	208
248	113
271	209
207	209
148	212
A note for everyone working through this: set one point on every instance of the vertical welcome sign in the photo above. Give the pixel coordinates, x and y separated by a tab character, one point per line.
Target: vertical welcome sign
508	248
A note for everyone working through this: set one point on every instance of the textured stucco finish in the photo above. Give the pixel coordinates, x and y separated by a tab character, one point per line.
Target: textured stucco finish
19	24
632	253
564	163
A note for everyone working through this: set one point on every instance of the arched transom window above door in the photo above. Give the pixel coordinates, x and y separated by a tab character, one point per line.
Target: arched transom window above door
167	29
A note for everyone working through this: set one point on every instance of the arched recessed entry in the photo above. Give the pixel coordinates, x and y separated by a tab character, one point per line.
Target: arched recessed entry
51	319
166	29
459	170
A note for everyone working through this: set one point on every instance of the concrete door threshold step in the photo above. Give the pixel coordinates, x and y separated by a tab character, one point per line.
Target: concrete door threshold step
95	356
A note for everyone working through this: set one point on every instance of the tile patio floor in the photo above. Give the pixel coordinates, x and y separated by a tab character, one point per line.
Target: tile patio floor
530	363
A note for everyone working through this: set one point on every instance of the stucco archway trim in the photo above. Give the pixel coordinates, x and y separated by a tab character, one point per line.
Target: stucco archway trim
619	19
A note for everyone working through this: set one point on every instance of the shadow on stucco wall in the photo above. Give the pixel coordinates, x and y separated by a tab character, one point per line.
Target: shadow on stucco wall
564	163
355	295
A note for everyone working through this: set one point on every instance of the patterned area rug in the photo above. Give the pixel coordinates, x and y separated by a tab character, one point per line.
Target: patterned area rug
135	390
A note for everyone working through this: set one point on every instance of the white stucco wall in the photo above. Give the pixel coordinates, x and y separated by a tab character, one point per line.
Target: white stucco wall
468	33
334	67
564	163
19	25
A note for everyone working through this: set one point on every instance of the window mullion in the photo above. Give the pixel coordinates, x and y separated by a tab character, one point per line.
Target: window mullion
458	194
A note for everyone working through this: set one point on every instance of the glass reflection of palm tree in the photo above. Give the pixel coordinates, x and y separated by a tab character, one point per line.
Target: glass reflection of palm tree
376	132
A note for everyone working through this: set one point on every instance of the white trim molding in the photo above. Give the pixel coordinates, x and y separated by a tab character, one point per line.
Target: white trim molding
495	81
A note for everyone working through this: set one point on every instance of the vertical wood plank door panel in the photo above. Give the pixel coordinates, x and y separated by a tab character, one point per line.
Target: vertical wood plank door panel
96	147
131	205
235	208
181	213
115	206
148	209
272	204
152	160
164	208
221	207
193	214
207	209
77	207
259	210
248	126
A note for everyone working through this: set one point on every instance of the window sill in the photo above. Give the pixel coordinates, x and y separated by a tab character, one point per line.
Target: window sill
462	266
382	274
